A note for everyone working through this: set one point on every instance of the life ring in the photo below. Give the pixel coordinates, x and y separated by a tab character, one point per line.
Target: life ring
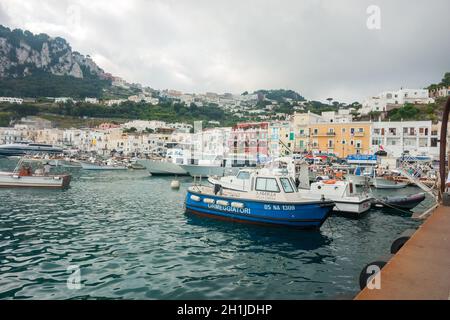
329	181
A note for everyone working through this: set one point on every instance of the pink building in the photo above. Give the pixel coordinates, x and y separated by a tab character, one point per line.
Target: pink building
250	140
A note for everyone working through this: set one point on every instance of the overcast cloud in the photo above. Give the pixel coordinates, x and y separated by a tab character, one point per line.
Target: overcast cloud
319	48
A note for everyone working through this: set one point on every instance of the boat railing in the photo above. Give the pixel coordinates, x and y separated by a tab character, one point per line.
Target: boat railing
413	172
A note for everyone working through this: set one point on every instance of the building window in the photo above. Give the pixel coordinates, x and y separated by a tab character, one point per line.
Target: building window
434	142
393	131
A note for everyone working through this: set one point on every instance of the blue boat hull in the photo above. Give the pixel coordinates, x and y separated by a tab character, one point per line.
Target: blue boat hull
303	215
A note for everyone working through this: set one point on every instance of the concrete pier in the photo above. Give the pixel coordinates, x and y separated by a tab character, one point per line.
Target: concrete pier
421	269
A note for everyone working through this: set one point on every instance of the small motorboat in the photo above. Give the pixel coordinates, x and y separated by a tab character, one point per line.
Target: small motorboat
22	176
136	166
381	183
401	202
271	199
343	193
101	166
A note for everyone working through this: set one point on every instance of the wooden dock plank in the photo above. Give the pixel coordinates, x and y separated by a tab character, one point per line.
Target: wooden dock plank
421	269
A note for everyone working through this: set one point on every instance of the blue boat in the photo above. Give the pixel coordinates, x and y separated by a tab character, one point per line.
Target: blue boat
273	199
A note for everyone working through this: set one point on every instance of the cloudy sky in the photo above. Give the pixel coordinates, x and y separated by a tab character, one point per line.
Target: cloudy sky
320	48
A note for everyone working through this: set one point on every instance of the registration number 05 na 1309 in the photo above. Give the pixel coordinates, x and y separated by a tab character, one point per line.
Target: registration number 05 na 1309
279	207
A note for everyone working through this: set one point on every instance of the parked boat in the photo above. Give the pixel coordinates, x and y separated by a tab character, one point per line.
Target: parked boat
23	148
170	165
381	183
361	176
401	202
343	193
101	166
22	176
273	199
136	166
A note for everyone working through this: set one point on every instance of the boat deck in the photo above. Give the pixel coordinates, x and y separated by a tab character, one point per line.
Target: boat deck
421	269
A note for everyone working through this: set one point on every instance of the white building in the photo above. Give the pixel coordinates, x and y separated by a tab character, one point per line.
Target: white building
141	125
441	92
342	116
381	102
11	100
143	98
111	103
63	100
91	100
418	138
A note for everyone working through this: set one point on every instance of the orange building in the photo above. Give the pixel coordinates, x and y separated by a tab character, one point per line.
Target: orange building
341	139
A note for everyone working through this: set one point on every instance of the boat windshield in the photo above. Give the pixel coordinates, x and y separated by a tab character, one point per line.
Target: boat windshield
267	184
243	175
287	187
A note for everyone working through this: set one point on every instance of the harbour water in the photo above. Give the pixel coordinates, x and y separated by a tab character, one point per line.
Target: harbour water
128	235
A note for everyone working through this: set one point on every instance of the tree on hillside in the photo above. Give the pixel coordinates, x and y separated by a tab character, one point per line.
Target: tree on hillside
446	80
329	100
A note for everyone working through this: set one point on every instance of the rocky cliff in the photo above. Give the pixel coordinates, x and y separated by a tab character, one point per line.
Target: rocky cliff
23	53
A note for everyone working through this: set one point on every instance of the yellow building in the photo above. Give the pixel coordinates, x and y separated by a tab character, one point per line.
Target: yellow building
341	139
301	123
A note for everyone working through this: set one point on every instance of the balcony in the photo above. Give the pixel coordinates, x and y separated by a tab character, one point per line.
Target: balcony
328	134
359	134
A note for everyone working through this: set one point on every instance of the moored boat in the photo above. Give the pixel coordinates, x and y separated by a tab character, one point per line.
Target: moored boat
343	193
381	183
23	177
401	202
101	166
271	200
10	179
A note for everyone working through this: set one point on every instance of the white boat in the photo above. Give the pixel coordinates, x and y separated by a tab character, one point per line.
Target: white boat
101	166
180	162
361	176
10	179
211	165
343	193
22	177
22	148
238	182
170	165
381	183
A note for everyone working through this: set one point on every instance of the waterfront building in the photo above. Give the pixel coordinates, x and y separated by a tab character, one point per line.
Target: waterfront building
340	139
300	124
281	138
250	140
418	138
